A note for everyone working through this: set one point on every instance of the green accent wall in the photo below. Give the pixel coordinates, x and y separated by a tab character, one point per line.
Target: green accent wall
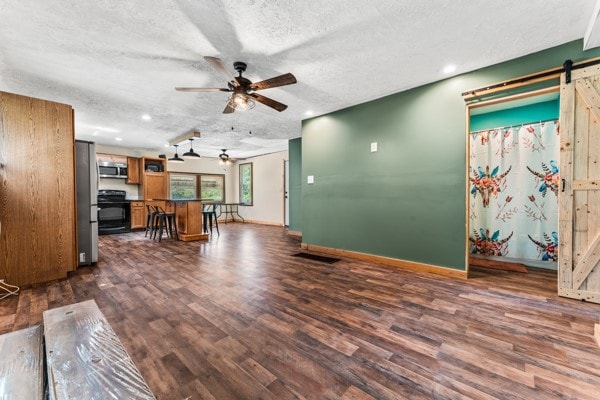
295	181
408	200
543	111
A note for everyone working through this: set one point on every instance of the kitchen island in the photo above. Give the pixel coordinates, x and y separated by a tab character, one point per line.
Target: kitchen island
188	214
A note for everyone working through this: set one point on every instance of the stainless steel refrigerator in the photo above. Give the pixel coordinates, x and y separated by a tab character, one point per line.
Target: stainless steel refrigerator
86	184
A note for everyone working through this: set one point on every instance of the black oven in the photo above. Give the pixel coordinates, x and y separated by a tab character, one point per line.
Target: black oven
114	212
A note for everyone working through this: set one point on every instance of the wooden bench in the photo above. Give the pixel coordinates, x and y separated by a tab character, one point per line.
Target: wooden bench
85	358
22	364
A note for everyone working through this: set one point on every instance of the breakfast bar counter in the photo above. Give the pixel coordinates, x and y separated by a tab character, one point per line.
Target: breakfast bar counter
188	215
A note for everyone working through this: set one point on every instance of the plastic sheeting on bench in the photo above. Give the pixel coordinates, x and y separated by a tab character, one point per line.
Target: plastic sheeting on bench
86	359
22	364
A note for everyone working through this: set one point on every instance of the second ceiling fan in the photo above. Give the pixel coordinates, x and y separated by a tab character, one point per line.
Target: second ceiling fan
242	89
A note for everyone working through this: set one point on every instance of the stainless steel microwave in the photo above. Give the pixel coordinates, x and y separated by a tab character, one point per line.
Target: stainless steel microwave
112	170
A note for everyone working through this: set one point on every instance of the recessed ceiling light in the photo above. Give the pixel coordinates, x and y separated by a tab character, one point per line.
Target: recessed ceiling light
105	129
146	117
309	113
167	145
95	133
448	69
118	139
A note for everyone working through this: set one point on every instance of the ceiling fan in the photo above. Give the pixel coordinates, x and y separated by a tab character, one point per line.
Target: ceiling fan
224	157
243	90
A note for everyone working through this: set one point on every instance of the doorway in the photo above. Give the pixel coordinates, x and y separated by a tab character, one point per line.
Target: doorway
513	180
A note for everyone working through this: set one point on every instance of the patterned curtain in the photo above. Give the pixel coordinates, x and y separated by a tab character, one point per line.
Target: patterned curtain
514	182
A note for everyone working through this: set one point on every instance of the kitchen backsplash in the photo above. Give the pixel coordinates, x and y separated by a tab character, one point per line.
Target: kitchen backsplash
133	192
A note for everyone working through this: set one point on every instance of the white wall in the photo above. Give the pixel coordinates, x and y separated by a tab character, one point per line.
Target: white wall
267	172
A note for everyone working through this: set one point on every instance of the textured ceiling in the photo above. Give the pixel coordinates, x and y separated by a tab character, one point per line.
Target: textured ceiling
115	61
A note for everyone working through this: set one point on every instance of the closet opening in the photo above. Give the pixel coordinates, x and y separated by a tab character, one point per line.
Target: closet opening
513	152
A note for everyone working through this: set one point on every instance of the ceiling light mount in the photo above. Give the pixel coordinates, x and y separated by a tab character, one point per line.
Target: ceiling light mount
195	133
240	67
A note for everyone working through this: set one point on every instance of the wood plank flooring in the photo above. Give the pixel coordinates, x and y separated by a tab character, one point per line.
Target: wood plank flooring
240	318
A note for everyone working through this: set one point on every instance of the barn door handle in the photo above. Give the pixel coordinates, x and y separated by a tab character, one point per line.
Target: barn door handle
563	184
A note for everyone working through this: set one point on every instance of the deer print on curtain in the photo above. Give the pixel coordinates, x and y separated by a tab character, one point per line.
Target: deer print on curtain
514	178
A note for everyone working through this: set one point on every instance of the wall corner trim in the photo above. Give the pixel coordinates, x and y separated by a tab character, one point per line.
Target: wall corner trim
394	262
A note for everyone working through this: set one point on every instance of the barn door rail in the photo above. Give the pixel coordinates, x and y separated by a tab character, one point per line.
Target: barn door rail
553	73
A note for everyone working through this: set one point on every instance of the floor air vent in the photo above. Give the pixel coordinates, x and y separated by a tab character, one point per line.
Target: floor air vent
328	260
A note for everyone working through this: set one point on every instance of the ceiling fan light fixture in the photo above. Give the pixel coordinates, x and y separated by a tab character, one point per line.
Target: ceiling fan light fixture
191	153
240	102
224	157
176	157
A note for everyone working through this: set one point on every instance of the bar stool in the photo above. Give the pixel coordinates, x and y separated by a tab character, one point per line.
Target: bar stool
150	220
167	221
209	211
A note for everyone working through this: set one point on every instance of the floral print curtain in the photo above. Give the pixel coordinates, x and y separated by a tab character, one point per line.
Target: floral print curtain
514	184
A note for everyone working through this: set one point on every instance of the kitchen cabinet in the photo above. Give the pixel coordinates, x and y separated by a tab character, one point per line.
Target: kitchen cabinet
155	185
133	170
154	178
38	241
138	215
188	214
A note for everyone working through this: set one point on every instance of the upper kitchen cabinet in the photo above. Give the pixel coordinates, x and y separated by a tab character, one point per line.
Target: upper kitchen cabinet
38	240
133	170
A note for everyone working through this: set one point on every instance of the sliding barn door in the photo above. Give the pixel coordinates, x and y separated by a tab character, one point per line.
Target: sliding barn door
579	199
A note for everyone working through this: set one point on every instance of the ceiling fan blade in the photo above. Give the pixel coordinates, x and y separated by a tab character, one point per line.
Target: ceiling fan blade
268	102
192	89
217	64
228	109
281	80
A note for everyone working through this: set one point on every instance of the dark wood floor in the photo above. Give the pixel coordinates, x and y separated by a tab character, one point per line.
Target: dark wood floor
239	318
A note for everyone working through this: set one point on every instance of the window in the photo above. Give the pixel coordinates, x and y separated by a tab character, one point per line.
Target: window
246	183
183	186
197	186
212	187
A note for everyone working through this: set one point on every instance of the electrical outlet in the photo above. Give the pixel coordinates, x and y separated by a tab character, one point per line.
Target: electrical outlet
81	257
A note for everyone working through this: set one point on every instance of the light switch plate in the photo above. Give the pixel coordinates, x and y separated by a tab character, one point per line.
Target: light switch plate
310	179
373	147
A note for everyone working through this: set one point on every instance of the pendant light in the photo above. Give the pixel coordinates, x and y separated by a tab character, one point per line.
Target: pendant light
176	157
191	153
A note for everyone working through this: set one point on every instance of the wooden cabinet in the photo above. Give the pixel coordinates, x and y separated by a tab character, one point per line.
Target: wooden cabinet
155	185
154	178
138	215
38	241
188	214
133	170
